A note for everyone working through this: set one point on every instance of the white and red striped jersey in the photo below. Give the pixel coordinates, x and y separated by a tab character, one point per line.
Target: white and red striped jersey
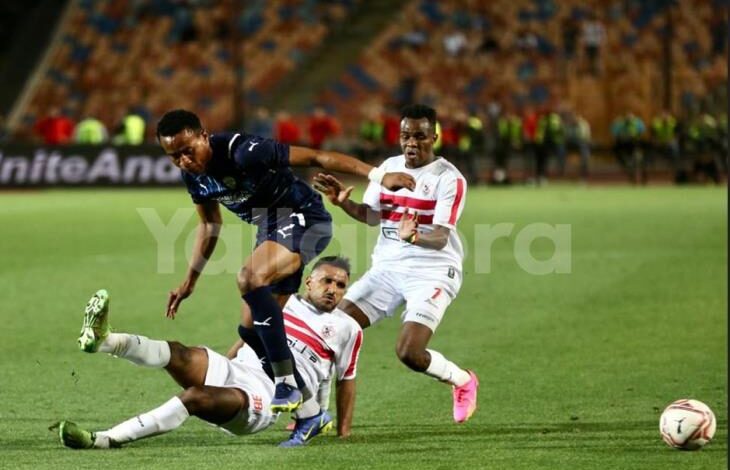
320	339
438	199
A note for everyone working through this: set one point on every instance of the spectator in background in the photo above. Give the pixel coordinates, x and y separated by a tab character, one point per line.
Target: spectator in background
702	143
391	133
454	43
414	39
664	141
261	123
578	137
90	131
529	129
131	130
470	144
526	40
286	129
55	128
370	135
549	140
593	36
627	131
446	137
509	142
321	127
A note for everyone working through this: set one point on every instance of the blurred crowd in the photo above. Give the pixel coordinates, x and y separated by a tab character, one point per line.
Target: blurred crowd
493	145
525	89
695	148
601	56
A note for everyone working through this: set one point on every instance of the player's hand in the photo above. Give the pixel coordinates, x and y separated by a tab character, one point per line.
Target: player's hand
332	188
397	180
408	225
175	297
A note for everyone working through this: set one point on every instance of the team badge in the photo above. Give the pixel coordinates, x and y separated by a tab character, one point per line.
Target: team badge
229	182
328	331
426	189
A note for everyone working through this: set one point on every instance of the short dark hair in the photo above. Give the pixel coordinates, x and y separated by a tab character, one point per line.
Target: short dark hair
177	120
419	111
336	261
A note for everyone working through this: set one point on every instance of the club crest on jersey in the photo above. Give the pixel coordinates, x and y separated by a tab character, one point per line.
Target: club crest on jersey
328	331
426	189
229	182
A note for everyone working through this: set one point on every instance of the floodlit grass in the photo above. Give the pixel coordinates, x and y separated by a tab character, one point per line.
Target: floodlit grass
575	368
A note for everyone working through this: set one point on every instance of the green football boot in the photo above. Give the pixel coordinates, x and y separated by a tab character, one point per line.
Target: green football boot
73	436
96	326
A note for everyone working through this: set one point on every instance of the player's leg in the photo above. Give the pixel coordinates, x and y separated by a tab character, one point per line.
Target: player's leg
355	312
217	405
187	366
284	246
310	419
425	307
247	334
269	263
371	298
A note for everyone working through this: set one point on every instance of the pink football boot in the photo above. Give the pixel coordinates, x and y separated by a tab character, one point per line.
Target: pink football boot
465	399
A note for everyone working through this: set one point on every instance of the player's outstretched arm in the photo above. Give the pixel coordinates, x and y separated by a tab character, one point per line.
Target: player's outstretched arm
339	195
206	238
335	161
345	406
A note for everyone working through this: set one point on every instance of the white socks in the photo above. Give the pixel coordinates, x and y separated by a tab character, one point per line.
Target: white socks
138	349
163	419
323	394
287	379
308	409
444	370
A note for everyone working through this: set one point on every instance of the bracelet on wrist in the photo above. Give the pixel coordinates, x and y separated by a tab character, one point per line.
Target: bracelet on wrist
413	238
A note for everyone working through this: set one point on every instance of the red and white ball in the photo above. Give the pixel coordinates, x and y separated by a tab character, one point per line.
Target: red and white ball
687	424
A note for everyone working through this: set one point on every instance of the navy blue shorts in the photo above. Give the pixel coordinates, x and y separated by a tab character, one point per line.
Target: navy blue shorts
307	231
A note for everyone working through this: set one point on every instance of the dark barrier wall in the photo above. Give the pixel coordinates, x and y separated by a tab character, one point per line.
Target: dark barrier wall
76	165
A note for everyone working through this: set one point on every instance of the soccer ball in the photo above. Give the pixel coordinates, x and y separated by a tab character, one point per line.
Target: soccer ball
687	424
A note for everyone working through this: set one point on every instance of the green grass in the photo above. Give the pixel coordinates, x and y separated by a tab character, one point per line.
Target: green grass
575	368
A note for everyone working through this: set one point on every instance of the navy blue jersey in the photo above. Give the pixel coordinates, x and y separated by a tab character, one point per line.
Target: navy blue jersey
248	174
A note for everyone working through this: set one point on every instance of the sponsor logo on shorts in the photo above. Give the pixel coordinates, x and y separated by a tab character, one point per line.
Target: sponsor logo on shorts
429	318
391	233
258	403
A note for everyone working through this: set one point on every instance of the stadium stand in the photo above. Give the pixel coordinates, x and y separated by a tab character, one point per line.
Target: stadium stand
537	51
602	58
112	55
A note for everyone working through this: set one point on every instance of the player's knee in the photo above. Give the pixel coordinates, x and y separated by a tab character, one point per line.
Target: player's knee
196	399
249	280
414	358
180	355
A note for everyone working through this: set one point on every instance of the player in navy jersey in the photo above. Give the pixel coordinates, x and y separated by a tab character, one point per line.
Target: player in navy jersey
251	177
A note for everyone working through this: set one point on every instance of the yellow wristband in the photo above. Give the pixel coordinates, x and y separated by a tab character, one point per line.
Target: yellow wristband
413	238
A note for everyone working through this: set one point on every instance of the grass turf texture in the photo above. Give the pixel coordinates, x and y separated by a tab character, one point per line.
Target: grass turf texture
575	368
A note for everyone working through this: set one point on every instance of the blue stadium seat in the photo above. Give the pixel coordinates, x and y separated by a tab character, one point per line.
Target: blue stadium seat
363	77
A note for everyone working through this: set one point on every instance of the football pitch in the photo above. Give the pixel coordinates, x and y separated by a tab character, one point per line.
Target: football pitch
575	365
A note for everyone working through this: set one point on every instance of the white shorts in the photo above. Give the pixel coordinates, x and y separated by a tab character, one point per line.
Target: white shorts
379	293
245	373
